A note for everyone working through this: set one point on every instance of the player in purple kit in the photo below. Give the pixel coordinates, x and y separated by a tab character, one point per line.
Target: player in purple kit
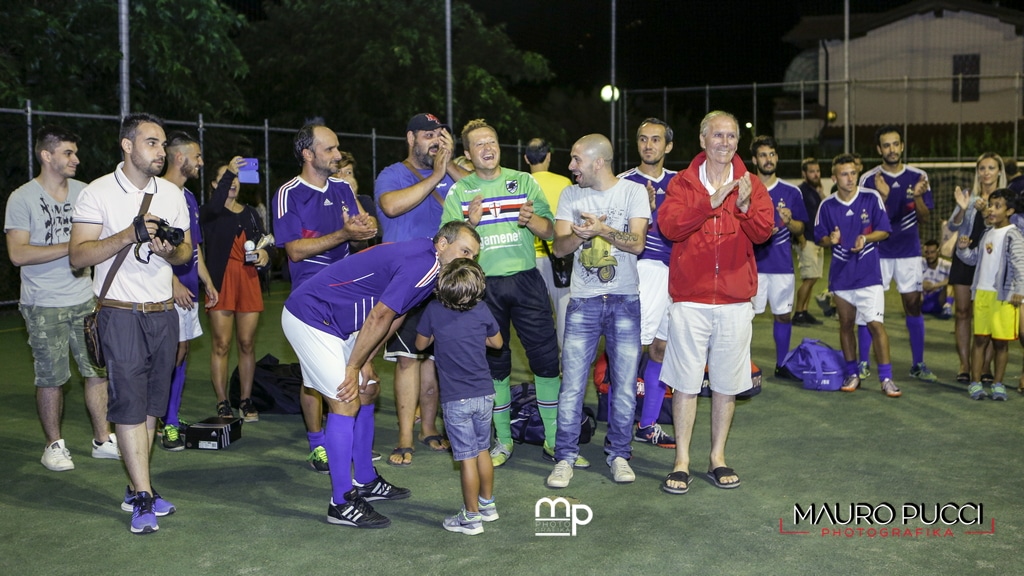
653	142
908	200
775	279
852	222
337	321
315	215
410	195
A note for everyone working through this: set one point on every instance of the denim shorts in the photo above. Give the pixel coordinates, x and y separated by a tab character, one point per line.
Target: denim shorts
468	424
52	332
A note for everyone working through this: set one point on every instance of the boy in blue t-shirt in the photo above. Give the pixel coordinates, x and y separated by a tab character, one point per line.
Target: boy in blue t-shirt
461	327
997	290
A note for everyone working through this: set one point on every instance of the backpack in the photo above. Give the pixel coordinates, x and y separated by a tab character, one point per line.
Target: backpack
819	365
527	426
276	387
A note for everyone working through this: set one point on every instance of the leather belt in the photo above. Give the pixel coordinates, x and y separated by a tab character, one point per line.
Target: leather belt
144	307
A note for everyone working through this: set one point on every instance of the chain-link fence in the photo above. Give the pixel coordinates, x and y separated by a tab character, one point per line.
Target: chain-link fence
99	152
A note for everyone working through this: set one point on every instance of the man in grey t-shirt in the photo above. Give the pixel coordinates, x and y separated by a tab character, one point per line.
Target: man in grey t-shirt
602	221
54	296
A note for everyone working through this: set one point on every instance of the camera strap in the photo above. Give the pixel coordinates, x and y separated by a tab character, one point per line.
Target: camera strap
121	255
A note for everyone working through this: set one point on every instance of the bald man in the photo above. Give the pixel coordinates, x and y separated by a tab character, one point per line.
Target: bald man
602	220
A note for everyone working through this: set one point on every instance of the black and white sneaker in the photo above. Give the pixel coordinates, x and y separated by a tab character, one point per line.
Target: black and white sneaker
355	512
381	489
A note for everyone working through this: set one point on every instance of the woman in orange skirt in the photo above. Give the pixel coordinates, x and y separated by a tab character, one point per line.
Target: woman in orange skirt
227	226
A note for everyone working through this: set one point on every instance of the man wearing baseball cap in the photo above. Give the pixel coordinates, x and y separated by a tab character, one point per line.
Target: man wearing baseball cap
410	196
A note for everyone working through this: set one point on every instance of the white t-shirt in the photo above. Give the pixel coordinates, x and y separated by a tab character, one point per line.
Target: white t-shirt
113	202
993	248
599	268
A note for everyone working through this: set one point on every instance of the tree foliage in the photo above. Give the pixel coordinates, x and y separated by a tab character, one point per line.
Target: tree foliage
66	56
366	64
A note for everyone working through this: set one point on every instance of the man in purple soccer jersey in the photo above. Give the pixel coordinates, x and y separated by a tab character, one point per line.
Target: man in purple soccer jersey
338	320
653	142
852	222
184	159
315	215
908	200
775	279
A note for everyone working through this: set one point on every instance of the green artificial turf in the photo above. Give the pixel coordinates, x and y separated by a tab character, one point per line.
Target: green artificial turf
256	508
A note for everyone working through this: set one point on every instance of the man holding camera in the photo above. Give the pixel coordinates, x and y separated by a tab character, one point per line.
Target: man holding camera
138	324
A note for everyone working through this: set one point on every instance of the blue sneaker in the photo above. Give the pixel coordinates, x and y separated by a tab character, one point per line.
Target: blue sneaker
161	507
999	392
488	511
143	517
976	391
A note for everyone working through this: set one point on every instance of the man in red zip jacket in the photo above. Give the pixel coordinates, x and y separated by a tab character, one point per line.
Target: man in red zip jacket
714	212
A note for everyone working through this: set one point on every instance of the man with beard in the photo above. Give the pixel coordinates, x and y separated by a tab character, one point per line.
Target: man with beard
138	324
908	200
809	257
936	289
509	211
653	142
410	195
315	215
775	280
602	221
55	298
184	161
714	212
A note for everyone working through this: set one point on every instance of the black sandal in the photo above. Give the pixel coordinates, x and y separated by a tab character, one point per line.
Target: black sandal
678	476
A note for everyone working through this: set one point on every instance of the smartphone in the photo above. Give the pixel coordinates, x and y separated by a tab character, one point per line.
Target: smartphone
250	173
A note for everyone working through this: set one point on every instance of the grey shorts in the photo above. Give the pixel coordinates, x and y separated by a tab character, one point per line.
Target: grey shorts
51	333
140	349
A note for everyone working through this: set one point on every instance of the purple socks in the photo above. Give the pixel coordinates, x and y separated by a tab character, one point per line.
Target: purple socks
654	394
915	327
339	436
174	401
362	446
782	331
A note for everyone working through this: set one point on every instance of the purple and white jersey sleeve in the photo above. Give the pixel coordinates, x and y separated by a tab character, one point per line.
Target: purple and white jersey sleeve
656	247
900	205
338	299
863	215
776	255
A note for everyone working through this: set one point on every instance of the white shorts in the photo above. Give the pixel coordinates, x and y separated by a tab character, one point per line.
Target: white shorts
654	299
774	289
189	327
908	272
322	356
714	336
869	302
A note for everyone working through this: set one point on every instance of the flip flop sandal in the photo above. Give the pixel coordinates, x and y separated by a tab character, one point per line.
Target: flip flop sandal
402	452
716	475
678	476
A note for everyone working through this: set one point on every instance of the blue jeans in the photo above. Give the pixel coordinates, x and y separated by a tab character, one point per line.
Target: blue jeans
617	318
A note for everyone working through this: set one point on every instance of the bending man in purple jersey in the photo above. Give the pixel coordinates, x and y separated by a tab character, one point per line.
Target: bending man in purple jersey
335	322
315	216
908	200
852	222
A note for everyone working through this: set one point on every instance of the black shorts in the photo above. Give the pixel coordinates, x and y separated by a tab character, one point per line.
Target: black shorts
403	343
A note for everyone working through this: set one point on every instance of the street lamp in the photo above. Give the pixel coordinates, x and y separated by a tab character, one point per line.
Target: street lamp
609	93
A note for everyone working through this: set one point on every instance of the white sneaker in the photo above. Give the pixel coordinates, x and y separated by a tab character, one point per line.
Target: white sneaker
621	472
57	458
561	475
108	450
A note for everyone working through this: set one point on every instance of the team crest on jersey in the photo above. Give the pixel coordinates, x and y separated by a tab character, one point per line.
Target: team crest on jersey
988	247
782	204
511	186
864	216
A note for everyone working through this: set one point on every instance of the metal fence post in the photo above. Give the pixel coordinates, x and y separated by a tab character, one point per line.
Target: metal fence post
28	128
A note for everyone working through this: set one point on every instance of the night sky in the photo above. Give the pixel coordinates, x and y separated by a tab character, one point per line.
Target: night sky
662	42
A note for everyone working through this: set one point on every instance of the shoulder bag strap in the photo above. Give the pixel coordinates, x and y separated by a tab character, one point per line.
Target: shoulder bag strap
420	177
120	256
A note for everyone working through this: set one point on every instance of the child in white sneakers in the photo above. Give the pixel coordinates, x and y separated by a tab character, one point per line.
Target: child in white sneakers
461	327
997	290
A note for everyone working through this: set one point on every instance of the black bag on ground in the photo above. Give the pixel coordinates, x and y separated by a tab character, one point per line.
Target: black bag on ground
276	387
527	426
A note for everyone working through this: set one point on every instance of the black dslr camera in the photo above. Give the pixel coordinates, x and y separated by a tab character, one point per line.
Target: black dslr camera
168	233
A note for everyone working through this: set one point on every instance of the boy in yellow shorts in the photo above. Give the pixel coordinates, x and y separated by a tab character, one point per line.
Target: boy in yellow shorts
998	289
